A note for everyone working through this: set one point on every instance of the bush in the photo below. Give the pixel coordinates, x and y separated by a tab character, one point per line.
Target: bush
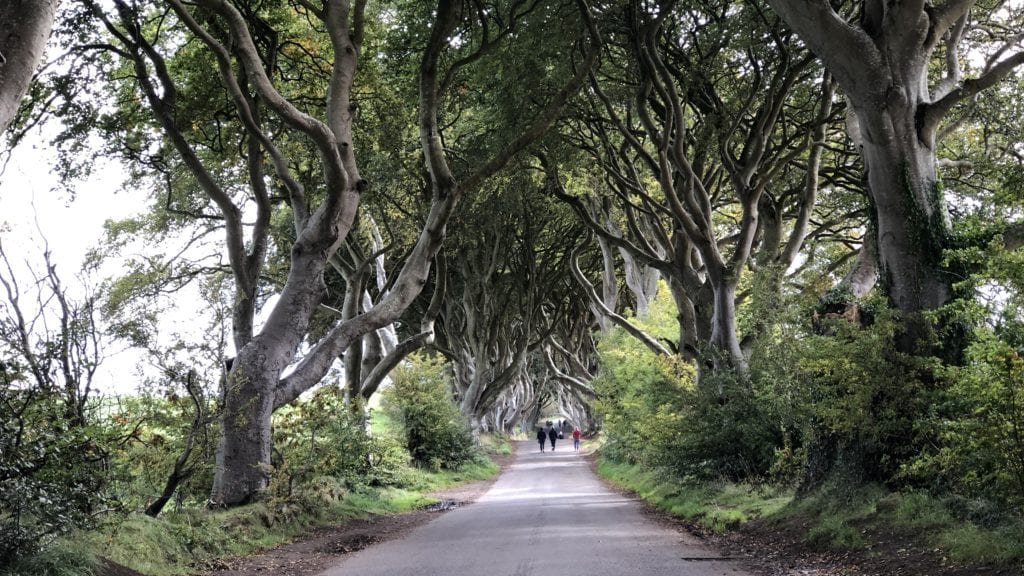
979	448
321	436
51	468
862	401
155	429
654	413
435	432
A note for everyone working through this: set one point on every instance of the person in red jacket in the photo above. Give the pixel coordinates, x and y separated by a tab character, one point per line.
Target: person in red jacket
576	438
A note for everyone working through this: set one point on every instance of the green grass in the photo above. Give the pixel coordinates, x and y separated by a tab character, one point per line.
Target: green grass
968	543
835	533
834	518
176	544
426	480
715	506
496	444
64	558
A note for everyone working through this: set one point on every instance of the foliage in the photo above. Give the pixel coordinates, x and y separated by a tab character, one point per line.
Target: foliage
51	467
321	436
977	422
640	399
158	428
862	399
980	427
656	413
435	432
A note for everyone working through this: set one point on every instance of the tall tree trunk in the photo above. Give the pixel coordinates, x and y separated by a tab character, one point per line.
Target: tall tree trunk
242	471
24	29
912	229
609	286
724	336
883	64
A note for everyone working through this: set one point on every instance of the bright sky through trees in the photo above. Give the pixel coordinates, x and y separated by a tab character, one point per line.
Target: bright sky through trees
36	215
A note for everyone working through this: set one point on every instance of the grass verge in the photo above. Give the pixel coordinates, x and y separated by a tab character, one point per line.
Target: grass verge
868	519
714	506
181	543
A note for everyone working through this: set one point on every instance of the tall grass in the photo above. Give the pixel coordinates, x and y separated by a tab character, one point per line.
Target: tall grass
715	506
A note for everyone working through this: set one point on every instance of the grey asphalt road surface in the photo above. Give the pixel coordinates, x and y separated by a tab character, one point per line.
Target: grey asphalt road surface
547	515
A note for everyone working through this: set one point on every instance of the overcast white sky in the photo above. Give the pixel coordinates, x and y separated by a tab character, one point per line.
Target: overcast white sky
35	213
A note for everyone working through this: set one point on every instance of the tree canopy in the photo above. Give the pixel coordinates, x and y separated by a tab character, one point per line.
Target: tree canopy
794	226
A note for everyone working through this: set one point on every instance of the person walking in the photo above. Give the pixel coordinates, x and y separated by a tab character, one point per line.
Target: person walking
552	435
576	439
542	436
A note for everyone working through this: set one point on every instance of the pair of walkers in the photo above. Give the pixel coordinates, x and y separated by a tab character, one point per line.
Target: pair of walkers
547	434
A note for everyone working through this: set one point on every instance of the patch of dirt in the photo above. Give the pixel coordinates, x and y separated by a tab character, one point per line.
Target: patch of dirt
109	568
321	548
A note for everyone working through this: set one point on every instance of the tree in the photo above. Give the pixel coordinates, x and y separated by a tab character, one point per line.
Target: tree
695	137
506	293
901	69
27	25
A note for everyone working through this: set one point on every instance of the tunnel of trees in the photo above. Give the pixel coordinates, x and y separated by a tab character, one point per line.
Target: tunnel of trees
785	234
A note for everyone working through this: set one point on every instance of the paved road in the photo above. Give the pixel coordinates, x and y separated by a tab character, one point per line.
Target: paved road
547	515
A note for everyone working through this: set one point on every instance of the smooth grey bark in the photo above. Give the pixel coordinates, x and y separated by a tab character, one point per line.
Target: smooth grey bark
641	280
374	377
864	274
24	30
609	285
882	63
588	289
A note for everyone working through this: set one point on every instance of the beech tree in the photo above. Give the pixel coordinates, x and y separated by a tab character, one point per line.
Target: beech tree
692	150
507	293
26	29
901	68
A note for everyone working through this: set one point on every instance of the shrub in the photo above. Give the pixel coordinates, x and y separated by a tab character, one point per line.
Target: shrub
435	432
862	401
321	436
155	429
979	427
654	413
51	468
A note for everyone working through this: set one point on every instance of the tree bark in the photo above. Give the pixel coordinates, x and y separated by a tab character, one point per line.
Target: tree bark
882	64
24	29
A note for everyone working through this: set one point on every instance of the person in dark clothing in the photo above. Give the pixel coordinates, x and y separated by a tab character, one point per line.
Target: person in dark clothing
552	435
542	435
